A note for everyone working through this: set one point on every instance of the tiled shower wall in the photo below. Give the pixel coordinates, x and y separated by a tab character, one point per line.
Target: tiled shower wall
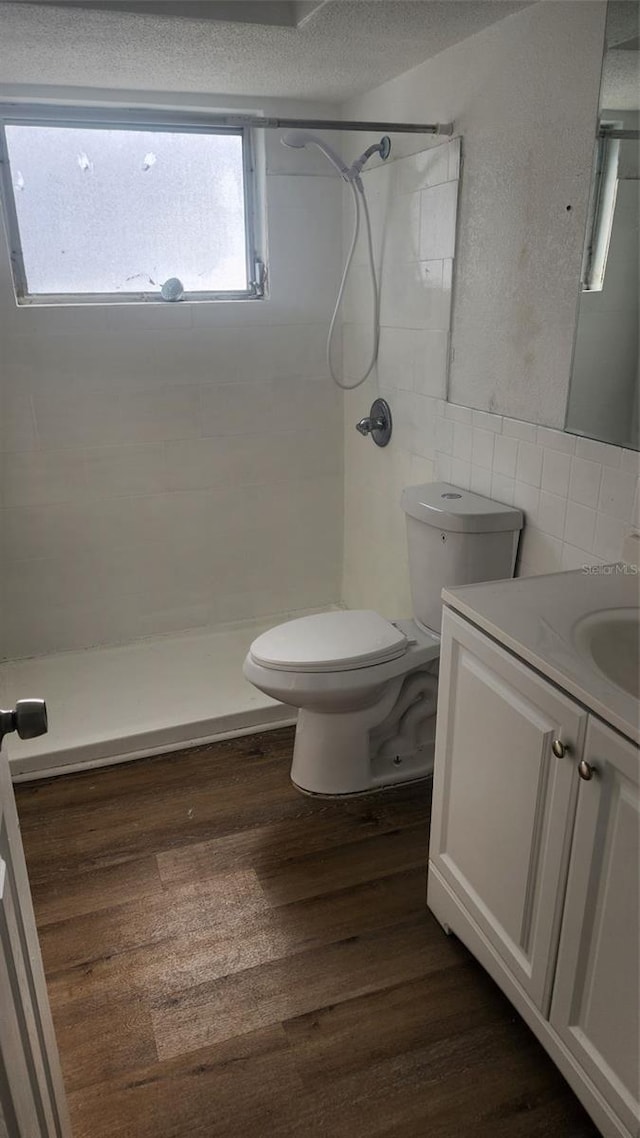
162	467
413	207
579	497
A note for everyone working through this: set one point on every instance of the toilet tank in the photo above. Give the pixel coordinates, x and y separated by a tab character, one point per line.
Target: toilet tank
455	537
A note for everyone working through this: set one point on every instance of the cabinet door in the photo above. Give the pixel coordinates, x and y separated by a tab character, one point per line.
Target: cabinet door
597	990
502	801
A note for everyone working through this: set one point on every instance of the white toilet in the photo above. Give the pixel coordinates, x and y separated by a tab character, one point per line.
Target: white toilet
366	687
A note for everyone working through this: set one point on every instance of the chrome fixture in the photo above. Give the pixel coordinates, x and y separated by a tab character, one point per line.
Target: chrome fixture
379	423
299	139
559	748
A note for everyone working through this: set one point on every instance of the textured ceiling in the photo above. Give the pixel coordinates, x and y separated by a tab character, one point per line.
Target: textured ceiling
346	47
287	13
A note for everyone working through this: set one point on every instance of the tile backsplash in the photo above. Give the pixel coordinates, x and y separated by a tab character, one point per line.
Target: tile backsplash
580	497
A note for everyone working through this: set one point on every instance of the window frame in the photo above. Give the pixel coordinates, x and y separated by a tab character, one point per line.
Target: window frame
129	119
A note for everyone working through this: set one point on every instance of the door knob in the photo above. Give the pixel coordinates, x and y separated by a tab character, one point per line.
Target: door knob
559	748
585	770
28	719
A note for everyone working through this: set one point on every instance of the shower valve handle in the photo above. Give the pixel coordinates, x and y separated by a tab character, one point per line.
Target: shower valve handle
378	423
366	426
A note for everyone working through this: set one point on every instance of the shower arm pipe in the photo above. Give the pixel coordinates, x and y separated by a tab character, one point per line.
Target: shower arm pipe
264	122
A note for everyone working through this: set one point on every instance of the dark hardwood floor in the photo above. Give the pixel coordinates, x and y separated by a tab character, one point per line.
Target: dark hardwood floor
228	958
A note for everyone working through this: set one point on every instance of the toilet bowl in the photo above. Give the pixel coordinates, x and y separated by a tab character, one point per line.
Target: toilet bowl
365	686
366	690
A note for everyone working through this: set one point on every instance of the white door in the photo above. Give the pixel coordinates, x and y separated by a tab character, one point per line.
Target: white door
503	800
596	996
32	1099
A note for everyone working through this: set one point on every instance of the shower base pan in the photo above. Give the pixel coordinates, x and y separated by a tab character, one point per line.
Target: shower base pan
109	705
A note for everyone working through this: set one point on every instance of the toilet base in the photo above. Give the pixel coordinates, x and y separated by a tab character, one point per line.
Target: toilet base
363	793
389	743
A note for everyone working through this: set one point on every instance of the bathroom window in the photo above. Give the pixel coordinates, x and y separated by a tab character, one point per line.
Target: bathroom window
134	209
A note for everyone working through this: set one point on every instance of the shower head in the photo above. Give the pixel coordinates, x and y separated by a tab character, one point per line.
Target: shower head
298	139
383	148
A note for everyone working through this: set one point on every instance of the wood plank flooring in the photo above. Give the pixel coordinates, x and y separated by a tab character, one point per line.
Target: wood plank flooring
227	958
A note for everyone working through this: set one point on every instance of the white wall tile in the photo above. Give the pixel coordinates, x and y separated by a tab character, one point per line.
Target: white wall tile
609	537
401	240
635	513
573	558
584	483
487	421
258	407
458	414
631	461
42	477
443	467
480	480
596	451
502	489
529	464
411	296
556	440
438	221
461	473
505	455
123	471
580	525
17	421
527	499
482	448
427	168
517	429
556	472
617	491
539	551
454	158
462	441
551	513
444	435
431	363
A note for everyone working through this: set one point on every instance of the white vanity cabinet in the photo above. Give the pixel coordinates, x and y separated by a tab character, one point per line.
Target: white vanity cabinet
534	861
596	995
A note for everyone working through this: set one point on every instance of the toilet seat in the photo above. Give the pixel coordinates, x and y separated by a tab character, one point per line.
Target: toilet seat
330	642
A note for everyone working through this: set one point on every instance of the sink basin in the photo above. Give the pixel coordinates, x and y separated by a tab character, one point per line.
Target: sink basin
611	637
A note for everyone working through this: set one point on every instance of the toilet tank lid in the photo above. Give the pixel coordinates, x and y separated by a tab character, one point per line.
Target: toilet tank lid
454	510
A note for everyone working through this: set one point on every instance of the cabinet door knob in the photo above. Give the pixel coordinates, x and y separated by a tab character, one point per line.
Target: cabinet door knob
585	770
559	748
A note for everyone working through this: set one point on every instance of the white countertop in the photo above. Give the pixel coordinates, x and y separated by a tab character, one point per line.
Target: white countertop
535	617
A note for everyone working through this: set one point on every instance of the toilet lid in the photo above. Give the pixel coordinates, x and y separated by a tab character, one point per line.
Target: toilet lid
329	642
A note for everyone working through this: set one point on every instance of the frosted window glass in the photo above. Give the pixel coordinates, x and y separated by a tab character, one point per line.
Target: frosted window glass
122	211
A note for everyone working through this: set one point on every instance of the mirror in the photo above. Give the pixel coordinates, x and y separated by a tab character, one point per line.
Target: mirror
604	396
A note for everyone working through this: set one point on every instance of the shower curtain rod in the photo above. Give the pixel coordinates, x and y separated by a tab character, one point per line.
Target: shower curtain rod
265	123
